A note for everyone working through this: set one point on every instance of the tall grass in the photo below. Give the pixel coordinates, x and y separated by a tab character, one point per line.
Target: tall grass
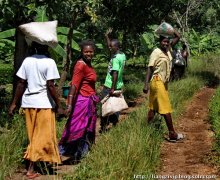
214	115
12	143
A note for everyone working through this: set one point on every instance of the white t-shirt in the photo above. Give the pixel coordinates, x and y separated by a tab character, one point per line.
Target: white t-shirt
37	69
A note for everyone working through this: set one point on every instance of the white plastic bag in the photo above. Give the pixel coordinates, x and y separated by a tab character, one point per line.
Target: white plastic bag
178	59
165	29
42	32
113	104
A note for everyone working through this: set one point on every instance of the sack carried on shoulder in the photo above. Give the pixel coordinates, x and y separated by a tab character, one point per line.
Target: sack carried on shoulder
165	29
113	104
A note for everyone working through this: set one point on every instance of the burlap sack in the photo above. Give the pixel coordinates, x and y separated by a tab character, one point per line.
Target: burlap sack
165	29
42	32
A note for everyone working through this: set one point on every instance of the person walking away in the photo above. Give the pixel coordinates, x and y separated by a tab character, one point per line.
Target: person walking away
40	102
79	131
114	78
180	58
157	78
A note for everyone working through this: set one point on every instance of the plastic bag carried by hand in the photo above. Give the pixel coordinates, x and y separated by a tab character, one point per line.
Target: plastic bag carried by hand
41	32
113	104
165	29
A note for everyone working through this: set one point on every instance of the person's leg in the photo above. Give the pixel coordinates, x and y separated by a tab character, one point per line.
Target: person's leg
150	116
30	169
31	174
169	123
114	118
104	122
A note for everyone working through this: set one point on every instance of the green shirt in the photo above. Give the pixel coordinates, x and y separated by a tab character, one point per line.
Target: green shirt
115	64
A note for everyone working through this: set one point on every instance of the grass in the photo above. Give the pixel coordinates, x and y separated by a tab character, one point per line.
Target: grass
12	143
131	147
214	115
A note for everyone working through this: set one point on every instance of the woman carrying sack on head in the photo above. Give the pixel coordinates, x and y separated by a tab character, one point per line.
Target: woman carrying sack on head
157	78
40	102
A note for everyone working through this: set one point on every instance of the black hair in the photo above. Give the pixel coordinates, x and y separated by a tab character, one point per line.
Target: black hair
161	38
87	42
184	46
116	42
37	48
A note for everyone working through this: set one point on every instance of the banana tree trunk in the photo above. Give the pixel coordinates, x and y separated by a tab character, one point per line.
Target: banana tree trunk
69	56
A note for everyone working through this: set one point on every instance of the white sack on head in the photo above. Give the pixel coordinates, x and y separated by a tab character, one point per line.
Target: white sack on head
42	32
165	29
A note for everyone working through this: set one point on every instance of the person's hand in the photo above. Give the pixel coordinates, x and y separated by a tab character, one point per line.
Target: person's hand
68	110
59	111
146	88
111	92
11	109
109	31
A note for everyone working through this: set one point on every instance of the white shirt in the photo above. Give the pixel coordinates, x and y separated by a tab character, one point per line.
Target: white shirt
37	70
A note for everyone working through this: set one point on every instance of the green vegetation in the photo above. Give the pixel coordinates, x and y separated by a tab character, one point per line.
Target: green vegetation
13	139
131	147
215	120
6	74
214	114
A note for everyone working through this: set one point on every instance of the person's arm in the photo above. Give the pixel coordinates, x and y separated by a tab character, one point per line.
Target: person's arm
70	98
185	56
176	38
107	37
21	86
52	89
147	80
114	82
77	78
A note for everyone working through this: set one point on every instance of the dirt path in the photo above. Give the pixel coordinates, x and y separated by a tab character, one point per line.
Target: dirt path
190	156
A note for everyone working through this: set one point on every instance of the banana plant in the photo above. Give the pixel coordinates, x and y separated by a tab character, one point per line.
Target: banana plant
7	45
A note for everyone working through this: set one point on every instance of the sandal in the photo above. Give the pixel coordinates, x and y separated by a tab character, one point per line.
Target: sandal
179	137
33	175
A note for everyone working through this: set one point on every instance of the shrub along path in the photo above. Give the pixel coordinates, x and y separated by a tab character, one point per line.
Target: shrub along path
190	157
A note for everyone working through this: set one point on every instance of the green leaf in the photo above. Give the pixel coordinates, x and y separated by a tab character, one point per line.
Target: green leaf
62	39
41	15
7	33
12	43
59	50
75	46
63	30
99	45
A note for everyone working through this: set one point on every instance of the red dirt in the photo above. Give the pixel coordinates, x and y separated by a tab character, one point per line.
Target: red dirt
190	157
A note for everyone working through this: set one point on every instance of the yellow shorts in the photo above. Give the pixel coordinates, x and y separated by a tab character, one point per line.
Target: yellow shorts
159	99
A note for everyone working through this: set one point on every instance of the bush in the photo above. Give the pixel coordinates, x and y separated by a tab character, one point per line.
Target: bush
6	74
